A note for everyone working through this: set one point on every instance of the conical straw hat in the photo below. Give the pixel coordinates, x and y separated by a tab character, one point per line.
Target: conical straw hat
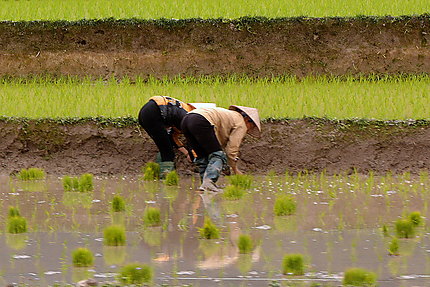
253	114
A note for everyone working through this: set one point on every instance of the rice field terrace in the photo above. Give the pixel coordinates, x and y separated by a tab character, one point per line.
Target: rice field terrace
390	98
377	223
80	9
337	188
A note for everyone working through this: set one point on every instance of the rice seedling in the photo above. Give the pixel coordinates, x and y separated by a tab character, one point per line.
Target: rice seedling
135	273
82	184
70	183
209	230
16	224
151	171
245	244
416	218
32	173
359	277
82	257
86	182
293	264
342	98
13	211
233	192
114	235
385	231
393	247
404	228
75	10
284	205
172	178
243	181
118	204
152	216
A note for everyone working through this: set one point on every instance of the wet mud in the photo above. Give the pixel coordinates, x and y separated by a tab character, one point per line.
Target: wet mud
257	48
293	145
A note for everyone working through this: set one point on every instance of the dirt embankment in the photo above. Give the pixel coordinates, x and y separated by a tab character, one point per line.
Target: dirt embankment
332	46
296	145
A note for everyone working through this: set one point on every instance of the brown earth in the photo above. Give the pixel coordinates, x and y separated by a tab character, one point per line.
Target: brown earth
333	46
295	145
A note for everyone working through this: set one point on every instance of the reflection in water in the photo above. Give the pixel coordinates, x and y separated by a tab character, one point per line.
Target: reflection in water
118	218
211	206
337	225
78	199
152	236
81	273
16	241
114	255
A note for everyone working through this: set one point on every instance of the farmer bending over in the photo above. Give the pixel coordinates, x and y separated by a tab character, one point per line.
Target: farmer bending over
209	131
161	118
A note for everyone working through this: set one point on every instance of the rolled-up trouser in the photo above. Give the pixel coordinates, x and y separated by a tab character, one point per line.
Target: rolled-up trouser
216	161
151	121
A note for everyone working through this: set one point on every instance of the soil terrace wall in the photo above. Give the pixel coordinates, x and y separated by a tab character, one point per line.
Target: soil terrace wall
255	47
306	144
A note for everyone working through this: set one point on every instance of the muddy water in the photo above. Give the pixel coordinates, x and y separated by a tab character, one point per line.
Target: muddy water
337	225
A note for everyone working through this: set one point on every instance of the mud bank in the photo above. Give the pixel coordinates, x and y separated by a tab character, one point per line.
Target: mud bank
193	47
305	144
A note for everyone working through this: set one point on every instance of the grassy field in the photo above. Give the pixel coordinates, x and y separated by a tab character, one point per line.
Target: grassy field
391	98
96	9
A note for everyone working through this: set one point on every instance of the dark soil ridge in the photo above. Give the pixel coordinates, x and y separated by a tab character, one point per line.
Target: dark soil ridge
256	47
100	147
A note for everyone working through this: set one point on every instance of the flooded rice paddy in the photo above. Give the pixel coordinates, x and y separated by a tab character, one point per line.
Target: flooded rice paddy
337	225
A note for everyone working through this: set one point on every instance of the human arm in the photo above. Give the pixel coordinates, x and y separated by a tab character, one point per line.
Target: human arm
232	148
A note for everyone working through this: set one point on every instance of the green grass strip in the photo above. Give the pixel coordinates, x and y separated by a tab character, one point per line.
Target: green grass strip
180	9
391	98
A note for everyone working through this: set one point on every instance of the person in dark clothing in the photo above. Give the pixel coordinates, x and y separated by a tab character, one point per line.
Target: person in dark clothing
161	118
215	134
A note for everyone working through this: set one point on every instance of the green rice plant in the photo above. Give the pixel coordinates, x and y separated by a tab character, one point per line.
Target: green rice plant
385	230
293	264
84	183
114	235
135	273
285	205
31	174
151	171
16	224
405	228
209	230
245	244
393	247
359	277
233	192
152	216
343	97
416	218
118	204
13	211
172	178
70	183
243	181
82	257
170	9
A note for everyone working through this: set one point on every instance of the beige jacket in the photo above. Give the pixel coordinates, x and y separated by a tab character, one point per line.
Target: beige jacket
230	129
